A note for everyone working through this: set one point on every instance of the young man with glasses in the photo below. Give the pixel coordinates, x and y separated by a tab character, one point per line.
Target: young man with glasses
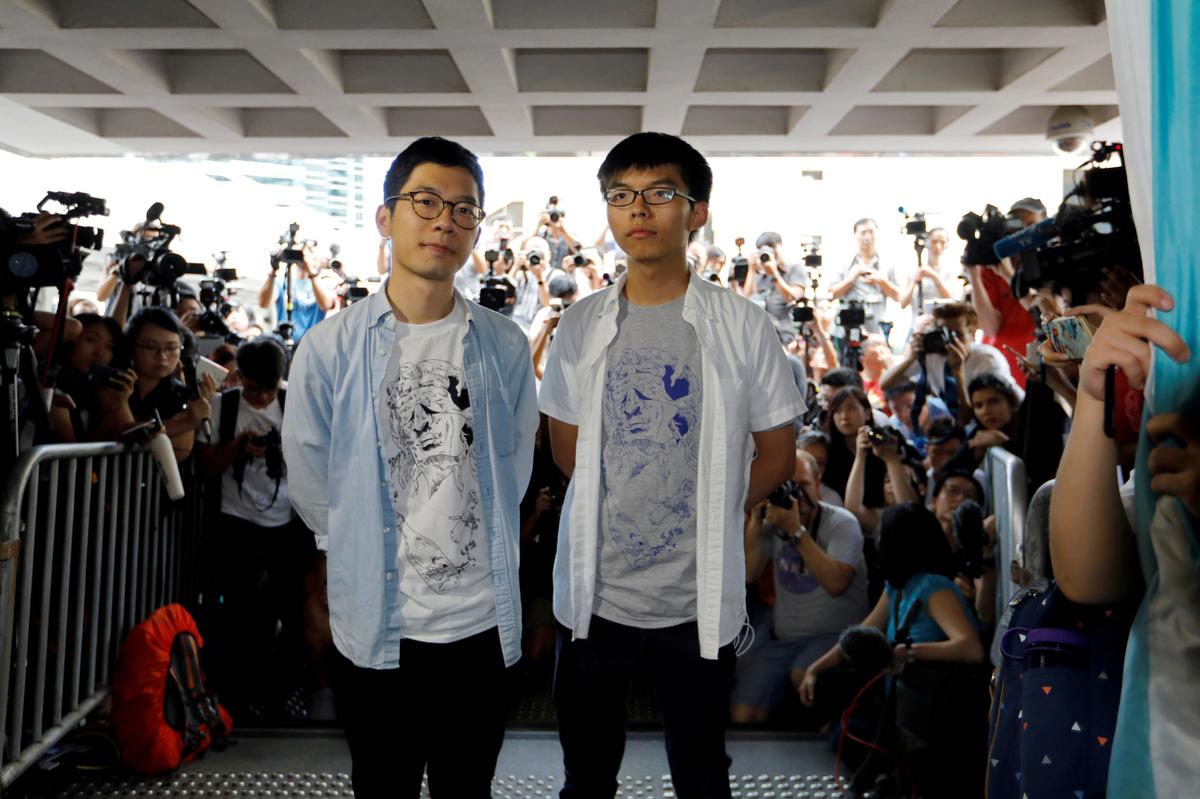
659	391
421	539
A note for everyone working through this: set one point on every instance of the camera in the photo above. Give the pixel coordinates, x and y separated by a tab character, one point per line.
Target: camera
102	376
38	265
533	259
981	232
351	291
914	223
812	253
494	294
765	254
272	442
803	312
152	246
937	340
1092	231
290	253
552	207
579	260
881	436
852	315
970	535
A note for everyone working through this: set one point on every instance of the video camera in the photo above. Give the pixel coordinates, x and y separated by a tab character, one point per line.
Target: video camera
38	265
214	296
1092	231
981	232
852	315
290	254
351	291
152	246
915	225
812	253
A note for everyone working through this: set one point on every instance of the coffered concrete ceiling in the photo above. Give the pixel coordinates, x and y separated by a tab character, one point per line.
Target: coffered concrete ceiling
335	77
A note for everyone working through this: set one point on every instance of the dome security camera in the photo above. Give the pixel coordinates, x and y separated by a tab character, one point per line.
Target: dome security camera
1069	129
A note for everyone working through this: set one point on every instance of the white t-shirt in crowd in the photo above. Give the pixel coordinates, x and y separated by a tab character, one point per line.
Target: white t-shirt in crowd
983	358
443	563
257	501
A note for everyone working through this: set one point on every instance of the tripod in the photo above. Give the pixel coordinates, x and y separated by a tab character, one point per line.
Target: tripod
19	368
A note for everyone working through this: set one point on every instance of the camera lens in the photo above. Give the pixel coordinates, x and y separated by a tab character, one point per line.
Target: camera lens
535	259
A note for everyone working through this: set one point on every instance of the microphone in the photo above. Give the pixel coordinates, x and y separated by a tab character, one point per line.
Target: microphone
154	212
161	448
1030	238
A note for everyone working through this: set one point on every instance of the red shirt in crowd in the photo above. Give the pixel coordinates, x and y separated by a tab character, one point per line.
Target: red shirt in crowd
1016	325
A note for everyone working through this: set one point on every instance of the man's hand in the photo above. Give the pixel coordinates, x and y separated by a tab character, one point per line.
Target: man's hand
1124	340
787	520
1176	470
542	503
47	229
957	351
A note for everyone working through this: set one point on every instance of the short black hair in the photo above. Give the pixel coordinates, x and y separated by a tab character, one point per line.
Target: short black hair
842	376
912	542
768	239
263	360
153	315
996	383
864	221
846	394
648	150
561	285
940	482
429	150
900	389
944	428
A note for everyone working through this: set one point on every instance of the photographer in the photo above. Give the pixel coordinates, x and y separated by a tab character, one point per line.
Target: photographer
156	339
529	276
552	228
95	375
864	281
816	551
773	284
311	301
946	348
817	444
849	412
933	281
898	484
264	547
562	293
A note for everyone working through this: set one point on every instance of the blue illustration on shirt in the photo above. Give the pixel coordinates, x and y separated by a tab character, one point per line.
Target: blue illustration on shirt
652	410
790	571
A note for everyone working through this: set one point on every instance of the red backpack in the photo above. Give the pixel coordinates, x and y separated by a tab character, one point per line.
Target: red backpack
162	713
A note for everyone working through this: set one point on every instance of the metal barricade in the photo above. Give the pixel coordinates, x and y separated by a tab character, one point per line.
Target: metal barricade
89	547
1007	491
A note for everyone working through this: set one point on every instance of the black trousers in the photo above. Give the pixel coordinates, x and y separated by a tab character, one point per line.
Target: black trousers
591	687
443	710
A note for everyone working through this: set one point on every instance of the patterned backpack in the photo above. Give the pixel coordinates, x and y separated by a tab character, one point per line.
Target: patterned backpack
1051	723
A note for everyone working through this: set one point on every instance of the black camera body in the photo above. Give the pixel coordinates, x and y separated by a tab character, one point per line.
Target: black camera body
161	267
981	232
882	436
534	259
970	536
494	293
852	315
40	265
102	376
803	313
937	341
272	442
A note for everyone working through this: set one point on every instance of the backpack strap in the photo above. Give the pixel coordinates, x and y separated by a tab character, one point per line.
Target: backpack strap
231	401
282	395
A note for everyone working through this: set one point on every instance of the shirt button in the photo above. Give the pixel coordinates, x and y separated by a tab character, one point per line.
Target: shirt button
388	577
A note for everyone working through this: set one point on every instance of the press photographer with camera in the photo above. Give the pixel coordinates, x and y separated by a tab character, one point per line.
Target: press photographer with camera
849	412
95	374
265	548
562	291
156	339
933	280
551	227
816	552
310	299
773	284
864	280
898	484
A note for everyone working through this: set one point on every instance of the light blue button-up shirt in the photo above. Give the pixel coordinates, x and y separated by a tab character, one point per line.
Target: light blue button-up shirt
337	480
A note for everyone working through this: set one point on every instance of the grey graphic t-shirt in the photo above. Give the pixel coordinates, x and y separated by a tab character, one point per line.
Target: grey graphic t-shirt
426	438
646	573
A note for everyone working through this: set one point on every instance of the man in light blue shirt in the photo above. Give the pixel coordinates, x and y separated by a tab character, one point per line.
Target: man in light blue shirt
409	444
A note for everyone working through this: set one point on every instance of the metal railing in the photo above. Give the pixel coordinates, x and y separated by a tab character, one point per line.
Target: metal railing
1008	492
89	547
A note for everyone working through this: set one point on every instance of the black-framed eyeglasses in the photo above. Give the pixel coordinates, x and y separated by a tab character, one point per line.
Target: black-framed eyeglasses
427	205
654	195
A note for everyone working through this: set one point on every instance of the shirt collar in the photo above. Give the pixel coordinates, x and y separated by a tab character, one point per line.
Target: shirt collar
696	300
379	309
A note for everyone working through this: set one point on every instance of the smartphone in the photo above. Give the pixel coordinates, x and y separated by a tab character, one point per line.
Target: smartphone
1123	406
102	376
1070	335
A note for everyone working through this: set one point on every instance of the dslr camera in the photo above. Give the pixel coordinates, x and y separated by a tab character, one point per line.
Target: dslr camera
272	442
555	211
35	266
152	245
981	232
937	340
852	315
740	265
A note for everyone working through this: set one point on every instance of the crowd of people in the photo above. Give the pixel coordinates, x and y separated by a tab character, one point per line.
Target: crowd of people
730	468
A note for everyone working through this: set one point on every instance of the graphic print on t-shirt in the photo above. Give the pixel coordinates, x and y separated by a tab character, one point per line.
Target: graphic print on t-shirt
653	409
791	572
430	426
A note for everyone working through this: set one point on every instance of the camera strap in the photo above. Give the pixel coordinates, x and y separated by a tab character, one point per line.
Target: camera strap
231	403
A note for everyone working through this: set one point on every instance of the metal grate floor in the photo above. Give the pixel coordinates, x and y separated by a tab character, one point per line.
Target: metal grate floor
331	785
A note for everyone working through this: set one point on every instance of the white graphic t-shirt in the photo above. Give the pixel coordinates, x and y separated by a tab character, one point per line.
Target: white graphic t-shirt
426	439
